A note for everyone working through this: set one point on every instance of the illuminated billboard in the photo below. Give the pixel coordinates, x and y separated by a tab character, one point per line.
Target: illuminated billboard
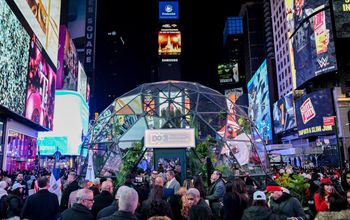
169	43
313	48
299	10
169	10
77	18
43	18
71	125
341	10
283	114
67	71
313	113
259	104
14	50
311	42
228	73
40	89
82	81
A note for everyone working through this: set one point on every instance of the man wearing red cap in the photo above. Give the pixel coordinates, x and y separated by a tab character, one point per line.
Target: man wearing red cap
284	205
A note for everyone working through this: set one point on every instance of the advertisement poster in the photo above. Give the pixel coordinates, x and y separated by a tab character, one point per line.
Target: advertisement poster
44	19
311	109
228	73
259	104
40	89
169	43
283	114
311	39
169	10
14	50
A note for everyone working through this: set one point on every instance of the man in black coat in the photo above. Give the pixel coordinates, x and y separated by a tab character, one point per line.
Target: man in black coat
104	199
199	209
216	193
127	205
81	209
41	205
109	210
72	186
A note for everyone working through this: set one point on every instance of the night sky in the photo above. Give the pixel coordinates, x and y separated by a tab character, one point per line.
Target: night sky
122	66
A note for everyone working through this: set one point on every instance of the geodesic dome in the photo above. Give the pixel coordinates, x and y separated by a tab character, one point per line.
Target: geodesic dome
219	123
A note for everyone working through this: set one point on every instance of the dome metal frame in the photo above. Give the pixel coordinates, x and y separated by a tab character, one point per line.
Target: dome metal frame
174	104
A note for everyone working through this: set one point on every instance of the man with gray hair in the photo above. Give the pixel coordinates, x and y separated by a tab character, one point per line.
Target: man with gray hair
199	209
82	208
109	210
127	202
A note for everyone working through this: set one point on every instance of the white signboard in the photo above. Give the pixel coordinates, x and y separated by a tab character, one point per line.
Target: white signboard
169	138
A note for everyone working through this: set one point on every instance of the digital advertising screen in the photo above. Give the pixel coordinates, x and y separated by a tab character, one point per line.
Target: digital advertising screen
82	81
259	104
40	88
14	59
283	114
299	10
341	9
312	113
228	73
169	43
67	73
169	10
43	18
77	18
313	48
71	125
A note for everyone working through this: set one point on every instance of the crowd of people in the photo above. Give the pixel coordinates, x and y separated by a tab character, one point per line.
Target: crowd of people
160	195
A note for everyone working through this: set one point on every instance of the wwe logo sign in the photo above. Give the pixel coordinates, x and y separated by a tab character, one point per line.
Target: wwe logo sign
307	111
323	62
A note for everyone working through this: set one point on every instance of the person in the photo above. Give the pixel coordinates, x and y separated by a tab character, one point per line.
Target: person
216	193
127	203
109	210
3	199
20	180
72	186
154	175
15	201
155	205
41	205
176	203
320	198
104	199
198	184
172	185
283	204
81	210
199	209
259	210
345	181
159	181
236	199
337	209
83	184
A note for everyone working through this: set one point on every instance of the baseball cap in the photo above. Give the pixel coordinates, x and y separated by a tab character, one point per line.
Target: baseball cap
259	195
16	186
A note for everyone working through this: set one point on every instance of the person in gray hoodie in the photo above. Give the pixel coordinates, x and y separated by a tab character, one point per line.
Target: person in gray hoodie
259	210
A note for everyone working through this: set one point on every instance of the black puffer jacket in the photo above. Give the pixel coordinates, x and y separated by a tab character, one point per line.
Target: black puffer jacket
259	213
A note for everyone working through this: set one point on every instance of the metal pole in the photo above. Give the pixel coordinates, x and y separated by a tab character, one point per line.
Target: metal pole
338	146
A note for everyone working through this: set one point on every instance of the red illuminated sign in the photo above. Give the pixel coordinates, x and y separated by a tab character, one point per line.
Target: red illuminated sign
307	111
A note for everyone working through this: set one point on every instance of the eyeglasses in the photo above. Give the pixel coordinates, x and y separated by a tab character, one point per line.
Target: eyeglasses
91	200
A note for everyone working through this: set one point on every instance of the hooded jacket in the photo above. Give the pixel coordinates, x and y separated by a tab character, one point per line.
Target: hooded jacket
258	213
